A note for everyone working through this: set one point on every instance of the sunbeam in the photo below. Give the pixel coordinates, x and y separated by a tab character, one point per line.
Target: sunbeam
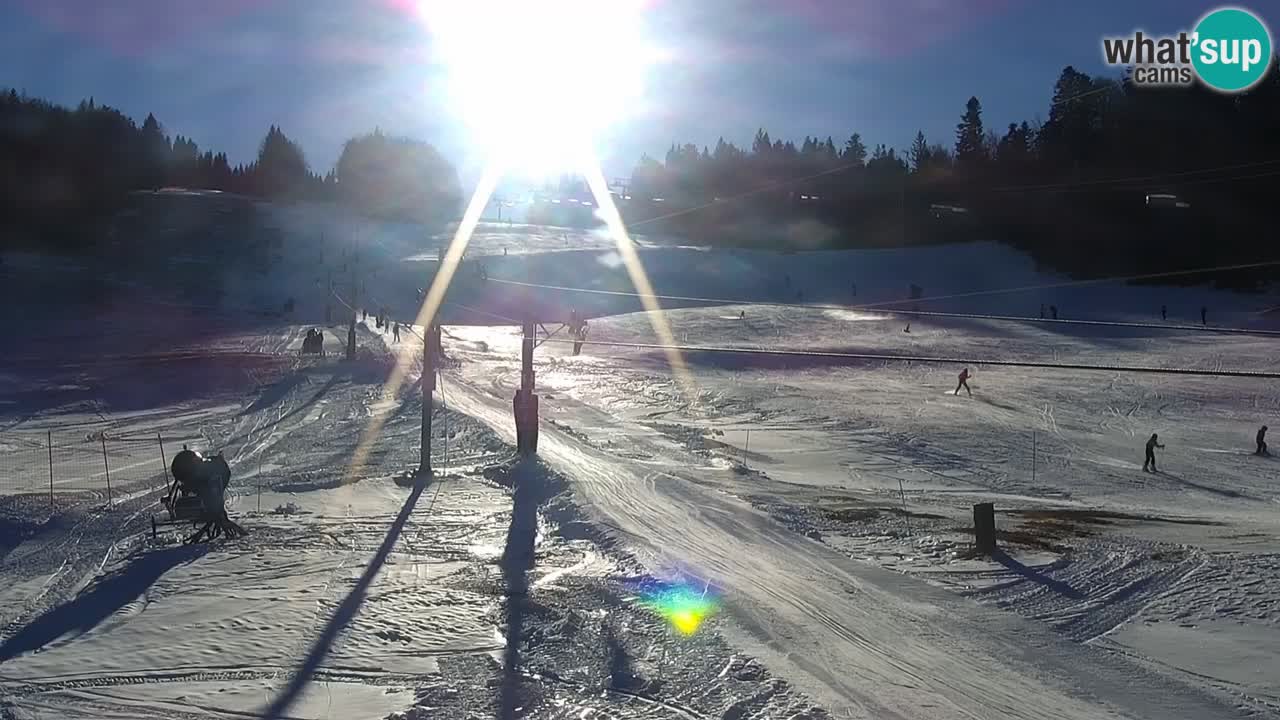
639	278
426	314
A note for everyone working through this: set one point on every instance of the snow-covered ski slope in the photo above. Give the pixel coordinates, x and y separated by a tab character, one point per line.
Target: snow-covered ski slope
1190	554
781	481
968	278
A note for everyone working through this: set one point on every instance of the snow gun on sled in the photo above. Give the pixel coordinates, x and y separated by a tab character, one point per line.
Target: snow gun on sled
313	343
197	495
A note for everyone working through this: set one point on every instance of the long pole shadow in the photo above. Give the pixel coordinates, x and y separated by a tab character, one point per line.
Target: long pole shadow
1222	492
621	674
343	616
1036	576
103	598
517	560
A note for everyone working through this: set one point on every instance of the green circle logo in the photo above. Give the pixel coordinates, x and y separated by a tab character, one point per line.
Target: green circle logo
1232	49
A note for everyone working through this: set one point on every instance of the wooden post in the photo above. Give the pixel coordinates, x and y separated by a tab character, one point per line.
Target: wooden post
1033	457
355	304
984	527
106	466
906	516
429	350
328	307
525	403
163	460
50	433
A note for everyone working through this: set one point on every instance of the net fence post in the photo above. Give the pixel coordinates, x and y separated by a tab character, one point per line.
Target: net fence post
50	441
164	462
984	527
106	466
1033	457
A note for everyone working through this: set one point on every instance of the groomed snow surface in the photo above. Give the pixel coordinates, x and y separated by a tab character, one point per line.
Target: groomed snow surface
826	502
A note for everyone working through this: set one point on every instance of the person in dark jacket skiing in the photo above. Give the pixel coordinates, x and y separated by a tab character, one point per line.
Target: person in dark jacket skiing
1204	315
964	382
1262	441
1150	460
1164	312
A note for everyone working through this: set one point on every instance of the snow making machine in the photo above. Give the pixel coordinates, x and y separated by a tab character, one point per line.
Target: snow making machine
195	495
313	343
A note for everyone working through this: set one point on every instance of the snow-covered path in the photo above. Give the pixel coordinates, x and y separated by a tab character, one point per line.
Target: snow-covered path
864	641
1167	609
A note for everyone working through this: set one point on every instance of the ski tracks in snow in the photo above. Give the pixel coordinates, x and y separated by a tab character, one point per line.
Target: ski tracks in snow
863	640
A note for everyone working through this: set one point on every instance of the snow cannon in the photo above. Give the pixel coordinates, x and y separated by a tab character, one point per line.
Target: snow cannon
313	343
196	495
185	466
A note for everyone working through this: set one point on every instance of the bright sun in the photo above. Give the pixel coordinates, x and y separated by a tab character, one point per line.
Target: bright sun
537	81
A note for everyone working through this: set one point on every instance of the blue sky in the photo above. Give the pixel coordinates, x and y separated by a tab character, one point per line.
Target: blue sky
220	72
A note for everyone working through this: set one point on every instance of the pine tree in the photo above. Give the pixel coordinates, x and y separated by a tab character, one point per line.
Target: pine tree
919	153
402	179
155	154
970	151
281	167
829	149
762	145
855	152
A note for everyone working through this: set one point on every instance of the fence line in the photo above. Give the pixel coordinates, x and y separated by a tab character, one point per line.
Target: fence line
72	467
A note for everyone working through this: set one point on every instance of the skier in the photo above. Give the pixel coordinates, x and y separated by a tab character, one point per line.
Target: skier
907	329
964	382
396	331
1164	312
742	314
1053	310
1150	460
1204	313
1262	441
1041	311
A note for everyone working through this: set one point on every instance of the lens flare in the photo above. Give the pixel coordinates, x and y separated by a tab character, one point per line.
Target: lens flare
684	606
536	82
390	390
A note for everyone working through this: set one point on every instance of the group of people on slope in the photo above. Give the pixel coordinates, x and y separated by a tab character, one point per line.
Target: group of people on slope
1149	463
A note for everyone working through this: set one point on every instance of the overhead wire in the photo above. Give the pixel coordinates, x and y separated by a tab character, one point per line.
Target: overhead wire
886	306
928	359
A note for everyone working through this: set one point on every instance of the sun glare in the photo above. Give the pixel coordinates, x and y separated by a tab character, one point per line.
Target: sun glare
537	82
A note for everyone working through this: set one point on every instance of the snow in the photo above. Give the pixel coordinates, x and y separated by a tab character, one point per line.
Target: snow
827	501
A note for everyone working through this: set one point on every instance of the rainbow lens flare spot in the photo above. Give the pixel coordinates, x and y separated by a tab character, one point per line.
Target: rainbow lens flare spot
684	606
